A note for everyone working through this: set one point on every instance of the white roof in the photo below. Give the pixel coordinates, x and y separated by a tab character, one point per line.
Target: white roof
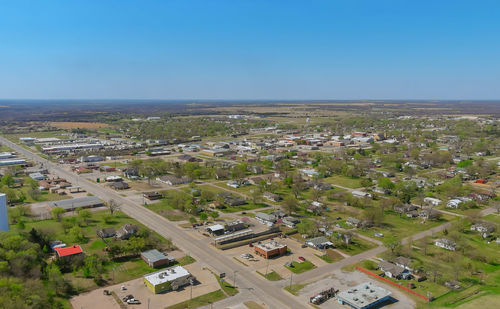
166	275
216	227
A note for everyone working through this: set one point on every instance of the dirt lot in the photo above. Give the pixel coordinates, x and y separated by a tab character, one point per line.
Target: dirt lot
342	281
81	125
276	264
97	300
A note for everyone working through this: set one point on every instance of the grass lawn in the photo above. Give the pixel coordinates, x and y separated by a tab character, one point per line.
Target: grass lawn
357	246
117	270
299	268
344	181
186	260
294	289
226	287
330	256
253	305
200	301
272	276
166	210
400	227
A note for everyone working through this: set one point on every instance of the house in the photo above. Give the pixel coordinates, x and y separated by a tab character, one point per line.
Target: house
37	176
446	244
483	228
155	258
392	270
453	203
315	207
266	219
235	201
432	201
106	232
319	243
272	197
270	249
360	194
113	179
170	279
173	180
152	196
131	173
126	231
65	252
120	185
256	169
233	184
353	222
404	262
363	296
290	222
256	180
322	186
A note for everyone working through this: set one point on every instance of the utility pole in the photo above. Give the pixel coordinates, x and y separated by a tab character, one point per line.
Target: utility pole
267	266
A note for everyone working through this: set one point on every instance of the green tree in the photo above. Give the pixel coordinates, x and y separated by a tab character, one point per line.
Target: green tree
290	205
57	213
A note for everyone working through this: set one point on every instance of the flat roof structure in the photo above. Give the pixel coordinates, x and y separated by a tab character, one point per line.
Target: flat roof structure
363	296
215	228
84	202
270	245
166	275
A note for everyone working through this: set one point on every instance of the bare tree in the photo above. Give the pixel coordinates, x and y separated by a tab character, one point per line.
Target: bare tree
113	206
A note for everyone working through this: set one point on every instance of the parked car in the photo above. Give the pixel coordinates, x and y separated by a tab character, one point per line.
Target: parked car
302	258
378	235
133	301
128	297
303	246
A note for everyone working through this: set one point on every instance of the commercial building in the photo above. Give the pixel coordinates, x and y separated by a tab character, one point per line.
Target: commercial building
169	279
155	258
363	296
270	249
79	202
4	220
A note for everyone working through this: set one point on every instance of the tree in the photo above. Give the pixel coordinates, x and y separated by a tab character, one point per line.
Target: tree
316	194
385	183
393	244
298	187
255	195
77	235
85	215
239	173
57	213
203	216
214	215
290	205
307	227
113	206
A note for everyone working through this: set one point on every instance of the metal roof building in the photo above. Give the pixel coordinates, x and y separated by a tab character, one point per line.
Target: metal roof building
79	202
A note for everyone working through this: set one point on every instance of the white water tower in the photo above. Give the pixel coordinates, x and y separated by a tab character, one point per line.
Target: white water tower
4	220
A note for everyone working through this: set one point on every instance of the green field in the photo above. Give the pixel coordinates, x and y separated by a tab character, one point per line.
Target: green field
200	301
299	268
271	276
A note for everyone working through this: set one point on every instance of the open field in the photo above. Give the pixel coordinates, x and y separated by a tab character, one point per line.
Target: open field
67	125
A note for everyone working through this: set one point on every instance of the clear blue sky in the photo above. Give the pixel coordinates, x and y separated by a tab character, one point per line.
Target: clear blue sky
254	49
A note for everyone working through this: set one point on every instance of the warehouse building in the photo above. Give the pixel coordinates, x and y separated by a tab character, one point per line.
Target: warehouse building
155	258
170	279
79	202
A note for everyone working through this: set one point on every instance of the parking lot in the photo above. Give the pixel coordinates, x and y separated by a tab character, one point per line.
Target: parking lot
340	280
97	300
276	264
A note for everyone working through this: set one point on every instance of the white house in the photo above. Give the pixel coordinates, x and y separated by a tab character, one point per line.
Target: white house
446	244
432	201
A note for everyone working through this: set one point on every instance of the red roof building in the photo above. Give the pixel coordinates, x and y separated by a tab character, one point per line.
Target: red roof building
68	251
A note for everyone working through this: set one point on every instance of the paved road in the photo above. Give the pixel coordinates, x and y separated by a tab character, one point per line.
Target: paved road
246	280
